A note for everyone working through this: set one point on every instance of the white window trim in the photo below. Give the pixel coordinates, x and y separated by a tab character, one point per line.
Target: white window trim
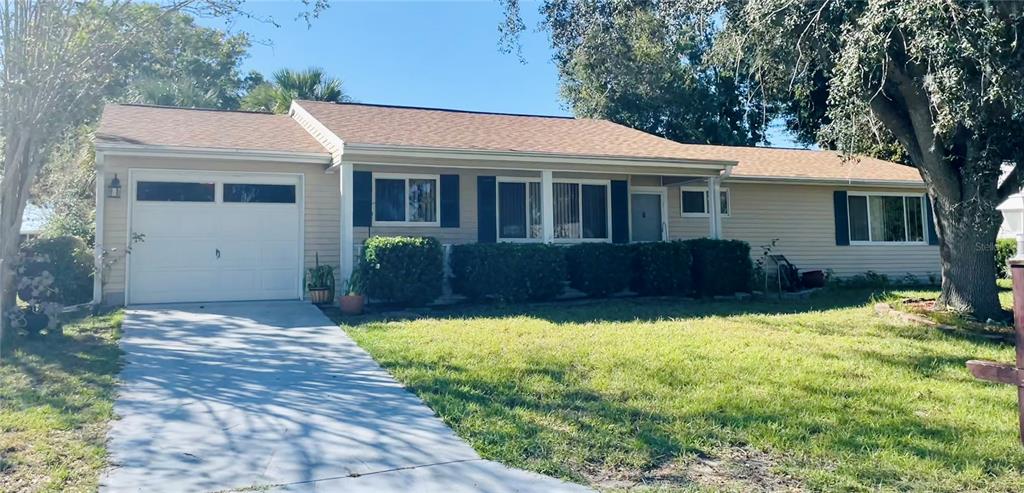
406	177
608	213
707	202
906	222
497	208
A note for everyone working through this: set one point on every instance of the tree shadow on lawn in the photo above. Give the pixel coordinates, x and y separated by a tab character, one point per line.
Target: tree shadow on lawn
60	371
573	431
628	309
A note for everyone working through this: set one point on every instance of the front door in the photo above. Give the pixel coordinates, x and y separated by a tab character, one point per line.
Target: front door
647	220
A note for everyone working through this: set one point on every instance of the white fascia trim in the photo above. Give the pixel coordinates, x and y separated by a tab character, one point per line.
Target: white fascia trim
473	156
116	149
823	181
330	140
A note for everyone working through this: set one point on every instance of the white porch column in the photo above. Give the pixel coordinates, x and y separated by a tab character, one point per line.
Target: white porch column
547	206
715	216
346	248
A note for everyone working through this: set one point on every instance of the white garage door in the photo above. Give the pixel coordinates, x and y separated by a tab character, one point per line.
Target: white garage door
214	237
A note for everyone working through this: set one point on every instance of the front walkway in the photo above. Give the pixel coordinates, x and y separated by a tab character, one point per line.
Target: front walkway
224	396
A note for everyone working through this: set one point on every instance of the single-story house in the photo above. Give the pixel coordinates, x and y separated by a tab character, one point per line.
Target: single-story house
229	205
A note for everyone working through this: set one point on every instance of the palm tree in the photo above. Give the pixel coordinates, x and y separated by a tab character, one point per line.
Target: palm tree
311	83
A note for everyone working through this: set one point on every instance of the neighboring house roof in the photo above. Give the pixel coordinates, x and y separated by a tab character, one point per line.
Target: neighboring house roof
368	124
201	128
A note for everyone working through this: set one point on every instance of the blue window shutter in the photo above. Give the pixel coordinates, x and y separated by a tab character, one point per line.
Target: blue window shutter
449	201
486	203
842	218
933	238
362	198
620	211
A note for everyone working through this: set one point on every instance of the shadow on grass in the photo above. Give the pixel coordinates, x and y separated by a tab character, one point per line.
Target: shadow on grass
628	309
571	431
62	371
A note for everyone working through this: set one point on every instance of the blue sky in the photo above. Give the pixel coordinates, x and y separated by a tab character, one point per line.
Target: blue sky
436	54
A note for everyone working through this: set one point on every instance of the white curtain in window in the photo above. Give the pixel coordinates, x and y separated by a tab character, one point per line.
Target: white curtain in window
567	210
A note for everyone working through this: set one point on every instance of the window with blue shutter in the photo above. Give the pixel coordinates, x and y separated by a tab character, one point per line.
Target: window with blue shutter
620	211
449	201
362	198
841	218
486	203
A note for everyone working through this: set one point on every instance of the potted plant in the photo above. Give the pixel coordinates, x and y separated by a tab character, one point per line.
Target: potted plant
353	301
320	283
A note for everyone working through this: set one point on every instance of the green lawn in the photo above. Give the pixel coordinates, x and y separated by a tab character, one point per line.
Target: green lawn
56	397
819	394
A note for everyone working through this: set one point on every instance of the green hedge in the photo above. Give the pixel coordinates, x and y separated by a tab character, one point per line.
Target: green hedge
720	267
661	268
510	272
1005	250
402	270
68	260
599	269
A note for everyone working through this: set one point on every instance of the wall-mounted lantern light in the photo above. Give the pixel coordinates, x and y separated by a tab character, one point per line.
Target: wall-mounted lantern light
114	191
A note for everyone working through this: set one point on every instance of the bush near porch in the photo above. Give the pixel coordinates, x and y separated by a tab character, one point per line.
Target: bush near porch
409	270
527	272
402	270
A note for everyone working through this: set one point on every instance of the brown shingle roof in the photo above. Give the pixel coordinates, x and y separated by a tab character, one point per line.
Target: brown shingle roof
420	127
425	127
452	129
180	127
805	164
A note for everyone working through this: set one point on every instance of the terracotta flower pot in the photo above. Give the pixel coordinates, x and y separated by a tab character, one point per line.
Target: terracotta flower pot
352	304
320	296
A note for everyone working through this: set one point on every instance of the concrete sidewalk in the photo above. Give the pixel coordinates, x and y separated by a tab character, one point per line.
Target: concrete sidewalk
272	395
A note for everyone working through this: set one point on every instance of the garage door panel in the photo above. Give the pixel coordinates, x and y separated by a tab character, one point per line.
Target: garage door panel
169	252
177	262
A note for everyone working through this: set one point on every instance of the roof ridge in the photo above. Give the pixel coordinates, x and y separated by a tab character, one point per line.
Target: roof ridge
211	110
447	110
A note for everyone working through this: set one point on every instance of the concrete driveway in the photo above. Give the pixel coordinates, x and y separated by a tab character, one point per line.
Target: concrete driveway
273	396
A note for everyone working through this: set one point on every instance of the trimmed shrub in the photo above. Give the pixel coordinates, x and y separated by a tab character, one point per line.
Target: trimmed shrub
402	270
1005	250
720	267
509	272
70	263
599	269
661	268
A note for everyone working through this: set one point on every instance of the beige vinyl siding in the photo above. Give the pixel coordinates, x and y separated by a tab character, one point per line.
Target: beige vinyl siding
688	227
321	200
802	218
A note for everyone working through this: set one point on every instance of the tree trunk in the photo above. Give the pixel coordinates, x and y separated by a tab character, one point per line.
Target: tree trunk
968	232
19	170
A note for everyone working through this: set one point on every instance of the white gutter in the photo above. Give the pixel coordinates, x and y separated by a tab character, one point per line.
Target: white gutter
823	181
120	149
372	150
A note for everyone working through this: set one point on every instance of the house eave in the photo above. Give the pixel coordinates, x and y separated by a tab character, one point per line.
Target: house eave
149	150
472	158
795	180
